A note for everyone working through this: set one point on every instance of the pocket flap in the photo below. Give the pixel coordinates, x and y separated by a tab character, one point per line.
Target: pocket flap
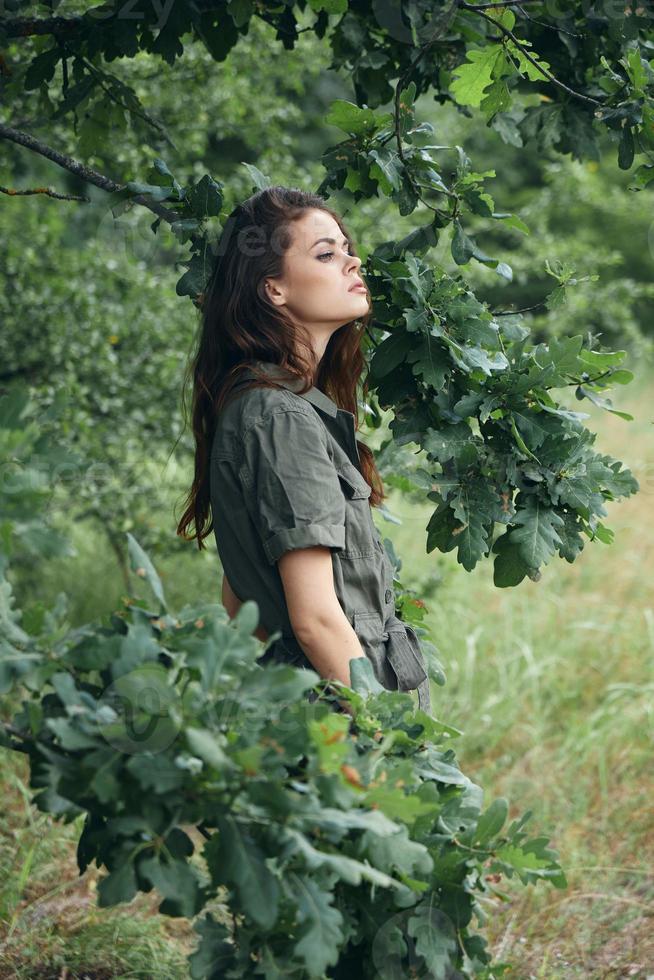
405	657
353	483
369	627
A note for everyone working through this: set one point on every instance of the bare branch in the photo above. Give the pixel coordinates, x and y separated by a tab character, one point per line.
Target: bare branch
525	309
82	171
500	3
12	192
549	27
30	26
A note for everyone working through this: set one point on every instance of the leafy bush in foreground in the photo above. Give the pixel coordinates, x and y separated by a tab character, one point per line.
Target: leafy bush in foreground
338	846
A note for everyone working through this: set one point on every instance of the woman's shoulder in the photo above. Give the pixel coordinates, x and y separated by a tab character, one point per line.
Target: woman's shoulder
250	405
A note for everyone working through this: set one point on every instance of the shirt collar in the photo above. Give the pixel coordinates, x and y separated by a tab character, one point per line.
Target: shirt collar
293	383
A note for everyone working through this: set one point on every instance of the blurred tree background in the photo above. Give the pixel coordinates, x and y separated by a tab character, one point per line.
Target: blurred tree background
91	320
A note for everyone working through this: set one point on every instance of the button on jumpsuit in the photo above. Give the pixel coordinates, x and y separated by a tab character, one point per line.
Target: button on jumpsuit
284	474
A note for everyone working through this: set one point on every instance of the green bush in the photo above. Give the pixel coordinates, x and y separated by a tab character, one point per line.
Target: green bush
334	843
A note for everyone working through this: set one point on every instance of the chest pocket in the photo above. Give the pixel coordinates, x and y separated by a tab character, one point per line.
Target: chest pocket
360	531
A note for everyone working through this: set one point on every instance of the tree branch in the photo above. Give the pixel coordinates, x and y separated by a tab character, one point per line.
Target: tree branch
30	26
61	159
12	192
525	309
82	171
549	27
140	113
547	74
66	27
500	3
404	78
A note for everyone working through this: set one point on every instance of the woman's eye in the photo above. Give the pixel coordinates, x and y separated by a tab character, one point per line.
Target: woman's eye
329	254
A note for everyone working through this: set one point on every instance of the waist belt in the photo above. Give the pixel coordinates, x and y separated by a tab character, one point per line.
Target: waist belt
405	656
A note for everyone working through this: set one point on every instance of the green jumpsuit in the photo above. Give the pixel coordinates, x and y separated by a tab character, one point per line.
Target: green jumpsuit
285	473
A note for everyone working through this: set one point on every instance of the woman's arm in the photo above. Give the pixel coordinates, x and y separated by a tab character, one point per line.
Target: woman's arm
320	625
322	629
232	604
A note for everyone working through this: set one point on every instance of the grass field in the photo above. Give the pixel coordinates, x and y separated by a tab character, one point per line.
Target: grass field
552	684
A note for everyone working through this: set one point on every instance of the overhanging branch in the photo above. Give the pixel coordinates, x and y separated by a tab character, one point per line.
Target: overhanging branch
81	170
30	26
516	40
439	26
61	159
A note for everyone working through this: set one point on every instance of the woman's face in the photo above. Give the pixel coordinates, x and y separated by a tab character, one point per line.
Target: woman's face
315	288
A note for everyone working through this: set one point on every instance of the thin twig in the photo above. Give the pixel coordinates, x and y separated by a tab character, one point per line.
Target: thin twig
404	78
588	381
12	192
280	27
541	23
140	113
525	309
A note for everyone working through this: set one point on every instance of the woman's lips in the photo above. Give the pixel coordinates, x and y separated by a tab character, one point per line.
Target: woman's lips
358	288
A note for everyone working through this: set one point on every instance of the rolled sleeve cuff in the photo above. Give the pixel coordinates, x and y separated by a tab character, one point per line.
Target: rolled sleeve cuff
330	535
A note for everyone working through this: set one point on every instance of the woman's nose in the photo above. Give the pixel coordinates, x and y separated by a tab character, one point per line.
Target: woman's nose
355	263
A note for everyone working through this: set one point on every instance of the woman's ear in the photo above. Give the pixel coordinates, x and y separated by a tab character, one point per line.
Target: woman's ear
274	293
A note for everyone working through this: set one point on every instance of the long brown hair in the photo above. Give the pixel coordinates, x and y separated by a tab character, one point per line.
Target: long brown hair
239	324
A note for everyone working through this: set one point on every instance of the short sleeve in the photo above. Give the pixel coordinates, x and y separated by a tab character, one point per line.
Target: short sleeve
292	484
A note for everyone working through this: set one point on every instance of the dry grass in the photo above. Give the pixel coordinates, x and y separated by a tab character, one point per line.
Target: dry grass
50	925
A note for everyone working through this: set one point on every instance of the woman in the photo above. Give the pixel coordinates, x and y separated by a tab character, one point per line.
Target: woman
279	474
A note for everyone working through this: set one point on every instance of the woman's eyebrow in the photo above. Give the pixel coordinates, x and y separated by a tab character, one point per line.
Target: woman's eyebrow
330	241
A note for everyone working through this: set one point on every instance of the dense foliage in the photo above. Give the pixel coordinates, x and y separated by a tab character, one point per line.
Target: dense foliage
473	394
481	56
352	844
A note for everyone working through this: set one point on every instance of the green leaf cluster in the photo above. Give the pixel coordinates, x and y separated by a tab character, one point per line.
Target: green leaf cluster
476	396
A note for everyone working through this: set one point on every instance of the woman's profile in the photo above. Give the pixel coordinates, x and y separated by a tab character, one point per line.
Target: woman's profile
280	477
